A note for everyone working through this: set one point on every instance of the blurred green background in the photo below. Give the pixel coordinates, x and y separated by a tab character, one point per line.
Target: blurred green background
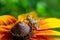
44	8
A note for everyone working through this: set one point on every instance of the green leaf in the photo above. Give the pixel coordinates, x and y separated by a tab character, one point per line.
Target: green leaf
56	29
41	7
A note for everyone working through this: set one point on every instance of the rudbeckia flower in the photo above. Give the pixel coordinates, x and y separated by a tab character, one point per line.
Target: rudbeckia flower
45	27
6	23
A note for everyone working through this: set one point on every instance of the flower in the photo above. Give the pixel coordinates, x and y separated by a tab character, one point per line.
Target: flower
45	25
42	33
6	23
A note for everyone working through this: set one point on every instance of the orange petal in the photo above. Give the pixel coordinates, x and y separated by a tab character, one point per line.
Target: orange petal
6	36
7	19
1	35
49	23
46	32
6	22
42	37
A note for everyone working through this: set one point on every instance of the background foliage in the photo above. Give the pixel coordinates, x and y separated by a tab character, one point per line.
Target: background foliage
44	8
